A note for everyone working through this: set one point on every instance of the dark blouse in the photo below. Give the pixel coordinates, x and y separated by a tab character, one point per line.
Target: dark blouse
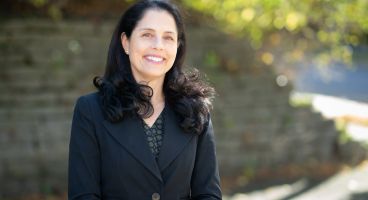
155	134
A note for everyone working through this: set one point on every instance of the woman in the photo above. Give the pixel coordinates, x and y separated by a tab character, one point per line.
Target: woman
146	133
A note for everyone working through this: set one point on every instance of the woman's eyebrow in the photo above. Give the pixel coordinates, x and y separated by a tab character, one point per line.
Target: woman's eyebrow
151	29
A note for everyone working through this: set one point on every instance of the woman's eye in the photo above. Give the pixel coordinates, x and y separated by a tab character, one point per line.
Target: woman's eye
147	35
169	38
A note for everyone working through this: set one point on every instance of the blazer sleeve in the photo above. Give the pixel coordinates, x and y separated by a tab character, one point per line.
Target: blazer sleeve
84	156
205	183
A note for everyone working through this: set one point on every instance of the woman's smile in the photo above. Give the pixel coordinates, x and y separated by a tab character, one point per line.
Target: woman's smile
154	59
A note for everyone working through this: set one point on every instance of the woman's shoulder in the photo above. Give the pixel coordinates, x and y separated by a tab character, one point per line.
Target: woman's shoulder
92	96
88	97
90	100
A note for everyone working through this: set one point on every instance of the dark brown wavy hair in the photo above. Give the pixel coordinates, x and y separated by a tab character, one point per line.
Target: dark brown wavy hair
121	95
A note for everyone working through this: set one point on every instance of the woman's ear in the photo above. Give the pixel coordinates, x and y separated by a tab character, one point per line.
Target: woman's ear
125	42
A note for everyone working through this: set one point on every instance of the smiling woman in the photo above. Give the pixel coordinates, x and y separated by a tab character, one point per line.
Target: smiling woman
152	46
147	132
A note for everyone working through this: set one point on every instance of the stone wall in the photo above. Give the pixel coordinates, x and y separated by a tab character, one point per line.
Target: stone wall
46	65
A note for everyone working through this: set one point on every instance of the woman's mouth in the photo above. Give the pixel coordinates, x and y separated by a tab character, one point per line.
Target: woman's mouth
155	59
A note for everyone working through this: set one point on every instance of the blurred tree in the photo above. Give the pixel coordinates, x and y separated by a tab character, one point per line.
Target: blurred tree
279	30
61	9
288	29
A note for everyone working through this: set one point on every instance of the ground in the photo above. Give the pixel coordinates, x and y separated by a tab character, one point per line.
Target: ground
349	184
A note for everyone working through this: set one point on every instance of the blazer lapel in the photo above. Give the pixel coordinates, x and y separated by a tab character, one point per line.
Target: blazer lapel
130	134
174	140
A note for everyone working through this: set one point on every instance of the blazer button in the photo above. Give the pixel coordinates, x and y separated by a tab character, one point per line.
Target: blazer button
155	196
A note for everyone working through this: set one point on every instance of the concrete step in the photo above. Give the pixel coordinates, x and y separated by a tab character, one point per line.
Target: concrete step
65	48
25	79
35	26
36	132
39	113
57	62
34	85
45	98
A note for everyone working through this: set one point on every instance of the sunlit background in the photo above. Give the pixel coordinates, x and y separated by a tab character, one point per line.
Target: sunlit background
290	115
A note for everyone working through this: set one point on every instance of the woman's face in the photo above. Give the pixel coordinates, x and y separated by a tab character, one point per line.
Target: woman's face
152	45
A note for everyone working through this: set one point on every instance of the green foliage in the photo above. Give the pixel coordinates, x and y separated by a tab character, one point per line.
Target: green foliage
284	29
330	25
300	100
38	3
211	59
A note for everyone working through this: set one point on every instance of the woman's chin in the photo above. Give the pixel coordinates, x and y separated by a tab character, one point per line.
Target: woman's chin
148	77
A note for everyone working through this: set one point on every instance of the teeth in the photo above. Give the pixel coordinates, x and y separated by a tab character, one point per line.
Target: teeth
156	59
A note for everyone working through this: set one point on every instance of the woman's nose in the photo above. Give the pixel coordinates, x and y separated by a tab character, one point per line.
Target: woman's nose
158	44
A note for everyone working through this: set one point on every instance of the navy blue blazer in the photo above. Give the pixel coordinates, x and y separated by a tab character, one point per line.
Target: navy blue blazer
112	161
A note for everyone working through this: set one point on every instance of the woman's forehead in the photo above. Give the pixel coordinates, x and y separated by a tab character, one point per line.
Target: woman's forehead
157	20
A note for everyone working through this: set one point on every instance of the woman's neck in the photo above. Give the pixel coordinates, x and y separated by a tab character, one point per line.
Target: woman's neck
158	96
157	101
